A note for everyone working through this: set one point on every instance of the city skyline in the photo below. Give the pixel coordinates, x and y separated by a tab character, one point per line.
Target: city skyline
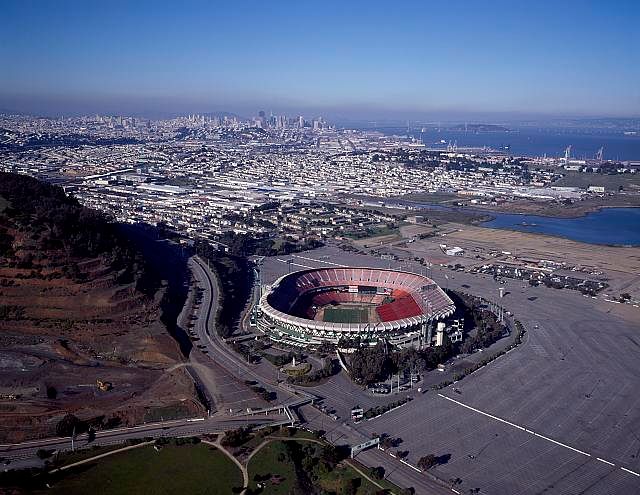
356	61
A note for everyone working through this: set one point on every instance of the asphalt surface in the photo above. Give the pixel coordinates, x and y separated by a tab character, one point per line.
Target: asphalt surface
559	414
222	369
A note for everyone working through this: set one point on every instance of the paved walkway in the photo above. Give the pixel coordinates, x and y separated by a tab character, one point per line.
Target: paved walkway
243	469
100	456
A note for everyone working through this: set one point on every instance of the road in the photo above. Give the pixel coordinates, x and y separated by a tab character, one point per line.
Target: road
220	352
559	414
573	383
266	373
26	451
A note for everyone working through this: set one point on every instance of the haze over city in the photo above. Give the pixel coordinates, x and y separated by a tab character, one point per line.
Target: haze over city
495	60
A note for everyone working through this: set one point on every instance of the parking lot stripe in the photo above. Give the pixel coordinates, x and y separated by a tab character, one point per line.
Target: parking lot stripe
629	471
515	425
317	261
295	264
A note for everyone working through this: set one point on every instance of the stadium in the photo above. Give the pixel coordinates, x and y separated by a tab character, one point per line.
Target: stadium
309	307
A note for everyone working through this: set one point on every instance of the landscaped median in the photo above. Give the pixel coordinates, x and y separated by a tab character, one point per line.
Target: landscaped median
376	411
520	332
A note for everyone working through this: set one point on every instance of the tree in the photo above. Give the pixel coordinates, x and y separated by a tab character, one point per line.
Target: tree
70	425
52	393
44	453
351	486
427	462
372	364
377	472
235	438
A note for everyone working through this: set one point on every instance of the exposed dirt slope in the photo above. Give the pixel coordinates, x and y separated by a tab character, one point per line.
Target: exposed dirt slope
78	305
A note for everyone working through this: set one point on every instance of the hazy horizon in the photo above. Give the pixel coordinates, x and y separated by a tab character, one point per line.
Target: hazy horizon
491	61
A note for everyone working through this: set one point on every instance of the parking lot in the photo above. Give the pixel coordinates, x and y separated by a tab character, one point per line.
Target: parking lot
559	414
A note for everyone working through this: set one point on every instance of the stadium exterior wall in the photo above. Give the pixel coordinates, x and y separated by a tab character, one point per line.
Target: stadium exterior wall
301	332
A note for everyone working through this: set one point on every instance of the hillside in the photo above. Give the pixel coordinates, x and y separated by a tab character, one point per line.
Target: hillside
78	304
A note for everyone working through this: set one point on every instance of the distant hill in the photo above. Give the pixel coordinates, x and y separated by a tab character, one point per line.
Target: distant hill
479	128
78	303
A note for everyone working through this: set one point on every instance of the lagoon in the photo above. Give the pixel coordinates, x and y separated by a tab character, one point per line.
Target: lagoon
608	226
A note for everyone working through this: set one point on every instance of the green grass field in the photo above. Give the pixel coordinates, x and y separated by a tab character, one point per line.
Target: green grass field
69	457
192	469
272	462
346	315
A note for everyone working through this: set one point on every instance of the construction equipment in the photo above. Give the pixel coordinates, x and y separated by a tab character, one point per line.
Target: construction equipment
103	386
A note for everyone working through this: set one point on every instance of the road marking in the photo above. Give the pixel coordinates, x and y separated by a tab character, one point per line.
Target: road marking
410	465
629	471
496	418
536	434
294	264
318	261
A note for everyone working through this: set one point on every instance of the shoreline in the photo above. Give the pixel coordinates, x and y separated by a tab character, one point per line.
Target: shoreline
563	213
557	236
577	213
490	215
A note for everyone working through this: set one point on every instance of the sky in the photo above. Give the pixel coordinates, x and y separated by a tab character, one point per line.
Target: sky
347	59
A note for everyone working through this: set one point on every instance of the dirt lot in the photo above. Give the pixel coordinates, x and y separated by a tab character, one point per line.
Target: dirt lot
610	182
61	336
621	265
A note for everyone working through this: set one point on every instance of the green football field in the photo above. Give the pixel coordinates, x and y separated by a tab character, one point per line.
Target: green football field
346	315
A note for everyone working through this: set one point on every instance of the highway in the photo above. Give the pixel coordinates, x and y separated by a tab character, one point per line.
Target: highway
23	454
265	373
220	352
524	423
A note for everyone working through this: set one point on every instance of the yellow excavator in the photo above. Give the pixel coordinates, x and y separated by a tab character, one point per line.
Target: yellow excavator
103	386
